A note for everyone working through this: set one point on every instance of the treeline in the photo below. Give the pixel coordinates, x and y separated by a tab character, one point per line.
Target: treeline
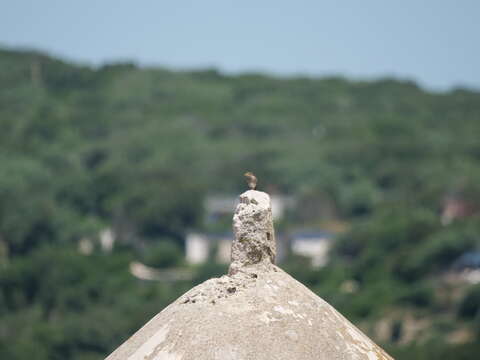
137	149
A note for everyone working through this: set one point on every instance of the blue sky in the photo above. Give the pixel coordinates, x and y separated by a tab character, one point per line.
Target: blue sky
434	42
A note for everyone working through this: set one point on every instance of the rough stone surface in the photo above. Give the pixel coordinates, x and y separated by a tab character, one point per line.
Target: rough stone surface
254	243
257	312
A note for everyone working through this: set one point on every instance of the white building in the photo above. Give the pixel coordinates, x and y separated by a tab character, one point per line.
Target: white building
202	247
219	205
199	247
312	244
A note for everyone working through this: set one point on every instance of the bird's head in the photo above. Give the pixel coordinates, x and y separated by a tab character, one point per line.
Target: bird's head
248	174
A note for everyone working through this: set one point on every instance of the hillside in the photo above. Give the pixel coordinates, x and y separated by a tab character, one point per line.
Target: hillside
137	149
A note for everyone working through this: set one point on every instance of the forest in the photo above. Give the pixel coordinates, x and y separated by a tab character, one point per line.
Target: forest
137	149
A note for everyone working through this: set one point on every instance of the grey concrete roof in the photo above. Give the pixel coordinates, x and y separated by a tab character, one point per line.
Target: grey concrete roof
257	312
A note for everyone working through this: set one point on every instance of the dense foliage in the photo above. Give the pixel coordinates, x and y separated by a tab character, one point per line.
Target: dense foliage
137	149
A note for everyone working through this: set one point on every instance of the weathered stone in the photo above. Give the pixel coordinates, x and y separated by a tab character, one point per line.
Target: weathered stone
257	312
254	243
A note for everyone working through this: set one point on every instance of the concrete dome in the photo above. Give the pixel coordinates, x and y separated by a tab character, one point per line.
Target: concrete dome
256	312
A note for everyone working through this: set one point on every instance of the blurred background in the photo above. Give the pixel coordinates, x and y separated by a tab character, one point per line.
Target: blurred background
125	129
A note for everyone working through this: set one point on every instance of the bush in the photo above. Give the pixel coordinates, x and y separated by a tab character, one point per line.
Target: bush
163	255
420	295
470	305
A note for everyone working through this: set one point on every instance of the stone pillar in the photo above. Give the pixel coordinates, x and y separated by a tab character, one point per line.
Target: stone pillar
254	243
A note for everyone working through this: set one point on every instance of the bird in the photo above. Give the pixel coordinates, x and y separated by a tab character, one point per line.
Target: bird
251	180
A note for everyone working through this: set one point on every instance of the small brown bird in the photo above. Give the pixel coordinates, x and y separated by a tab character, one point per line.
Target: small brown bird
251	180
